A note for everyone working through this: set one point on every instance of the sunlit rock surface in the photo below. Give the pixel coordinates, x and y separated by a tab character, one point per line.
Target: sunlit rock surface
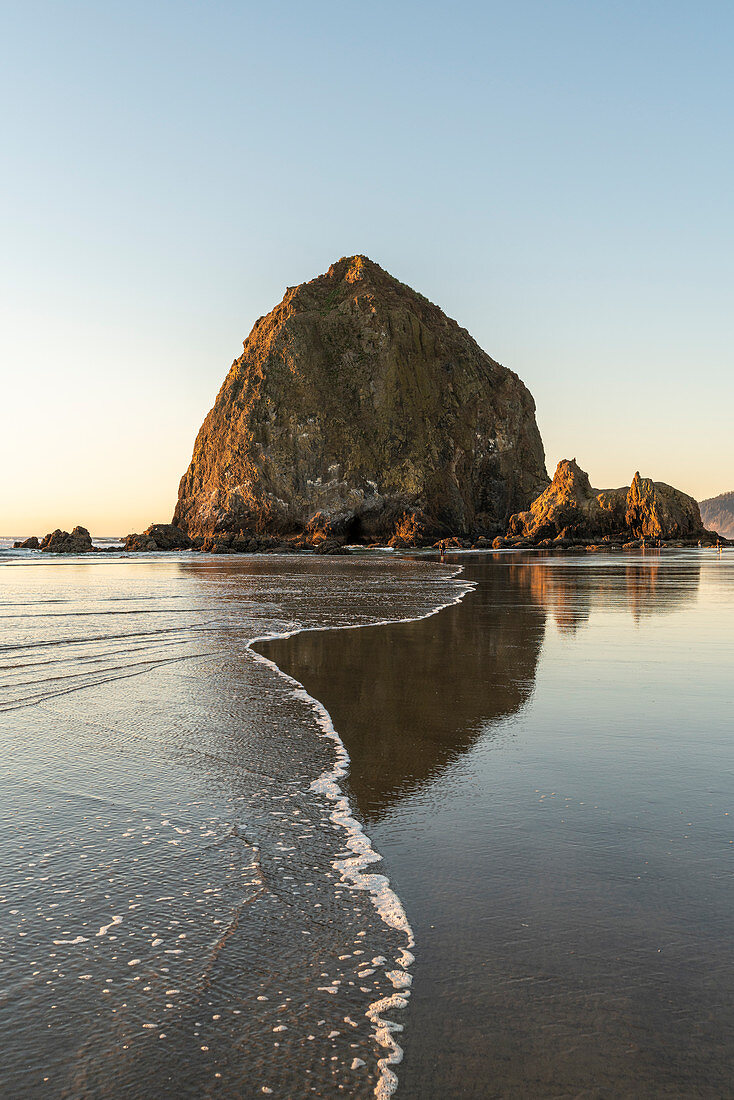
357	400
570	509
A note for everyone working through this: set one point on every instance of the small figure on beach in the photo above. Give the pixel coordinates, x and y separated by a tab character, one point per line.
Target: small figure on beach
442	548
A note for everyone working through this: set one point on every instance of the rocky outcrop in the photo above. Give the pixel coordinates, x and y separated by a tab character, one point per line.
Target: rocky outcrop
570	510
27	544
360	408
658	511
61	542
718	514
159	536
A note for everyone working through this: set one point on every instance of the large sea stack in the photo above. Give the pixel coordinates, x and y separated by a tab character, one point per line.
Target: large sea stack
358	410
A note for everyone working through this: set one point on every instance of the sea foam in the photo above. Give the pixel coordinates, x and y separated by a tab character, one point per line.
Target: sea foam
354	869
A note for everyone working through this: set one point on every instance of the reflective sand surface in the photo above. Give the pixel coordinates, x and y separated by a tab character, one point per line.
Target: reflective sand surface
186	906
548	771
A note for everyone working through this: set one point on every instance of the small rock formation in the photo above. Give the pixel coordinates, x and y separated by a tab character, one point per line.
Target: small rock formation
359	411
718	514
61	542
571	511
658	511
27	544
159	536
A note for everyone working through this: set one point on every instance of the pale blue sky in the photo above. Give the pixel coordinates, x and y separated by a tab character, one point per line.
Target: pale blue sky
557	176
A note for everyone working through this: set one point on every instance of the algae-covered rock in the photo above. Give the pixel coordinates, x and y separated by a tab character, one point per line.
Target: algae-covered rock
358	399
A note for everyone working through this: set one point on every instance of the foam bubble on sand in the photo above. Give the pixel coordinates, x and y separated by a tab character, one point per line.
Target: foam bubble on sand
353	869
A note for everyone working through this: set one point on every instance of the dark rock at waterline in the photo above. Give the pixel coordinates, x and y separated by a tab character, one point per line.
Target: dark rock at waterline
62	542
243	543
331	546
27	544
159	536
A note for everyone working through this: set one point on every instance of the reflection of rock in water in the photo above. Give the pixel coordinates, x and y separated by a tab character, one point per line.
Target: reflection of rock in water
570	588
410	697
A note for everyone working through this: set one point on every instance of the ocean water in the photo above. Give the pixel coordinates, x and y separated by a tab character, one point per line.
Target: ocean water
188	906
548	771
192	901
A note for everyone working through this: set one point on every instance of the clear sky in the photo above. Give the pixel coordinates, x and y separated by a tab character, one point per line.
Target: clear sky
558	176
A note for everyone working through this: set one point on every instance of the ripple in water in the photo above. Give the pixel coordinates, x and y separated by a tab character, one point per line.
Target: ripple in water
189	906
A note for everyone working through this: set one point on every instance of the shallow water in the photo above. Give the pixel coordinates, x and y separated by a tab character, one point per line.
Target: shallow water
186	905
548	771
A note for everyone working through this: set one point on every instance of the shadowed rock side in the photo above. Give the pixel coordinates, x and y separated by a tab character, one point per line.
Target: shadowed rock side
159	536
389	689
718	514
61	542
570	510
359	408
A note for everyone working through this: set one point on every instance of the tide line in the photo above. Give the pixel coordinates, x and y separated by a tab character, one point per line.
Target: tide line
353	869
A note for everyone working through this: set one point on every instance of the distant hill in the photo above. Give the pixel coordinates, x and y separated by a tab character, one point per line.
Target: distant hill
717	514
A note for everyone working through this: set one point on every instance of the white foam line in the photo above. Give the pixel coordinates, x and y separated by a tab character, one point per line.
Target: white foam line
353	869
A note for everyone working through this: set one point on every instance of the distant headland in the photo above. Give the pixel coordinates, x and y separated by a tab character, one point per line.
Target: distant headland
718	514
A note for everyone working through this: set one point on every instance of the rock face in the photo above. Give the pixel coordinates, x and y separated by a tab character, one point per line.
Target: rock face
61	542
27	544
357	408
159	536
718	514
570	509
658	511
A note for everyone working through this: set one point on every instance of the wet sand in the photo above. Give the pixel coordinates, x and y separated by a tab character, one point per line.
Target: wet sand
185	901
547	769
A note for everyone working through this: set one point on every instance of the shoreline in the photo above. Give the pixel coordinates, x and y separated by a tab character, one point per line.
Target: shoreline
10	550
352	870
506	908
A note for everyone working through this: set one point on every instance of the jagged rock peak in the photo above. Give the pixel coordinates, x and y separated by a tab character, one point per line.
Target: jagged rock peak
357	401
570	508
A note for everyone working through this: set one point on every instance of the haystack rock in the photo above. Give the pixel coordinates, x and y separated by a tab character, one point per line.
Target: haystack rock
359	409
571	509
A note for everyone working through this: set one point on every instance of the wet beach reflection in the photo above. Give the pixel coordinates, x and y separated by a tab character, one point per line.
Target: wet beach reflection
547	769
